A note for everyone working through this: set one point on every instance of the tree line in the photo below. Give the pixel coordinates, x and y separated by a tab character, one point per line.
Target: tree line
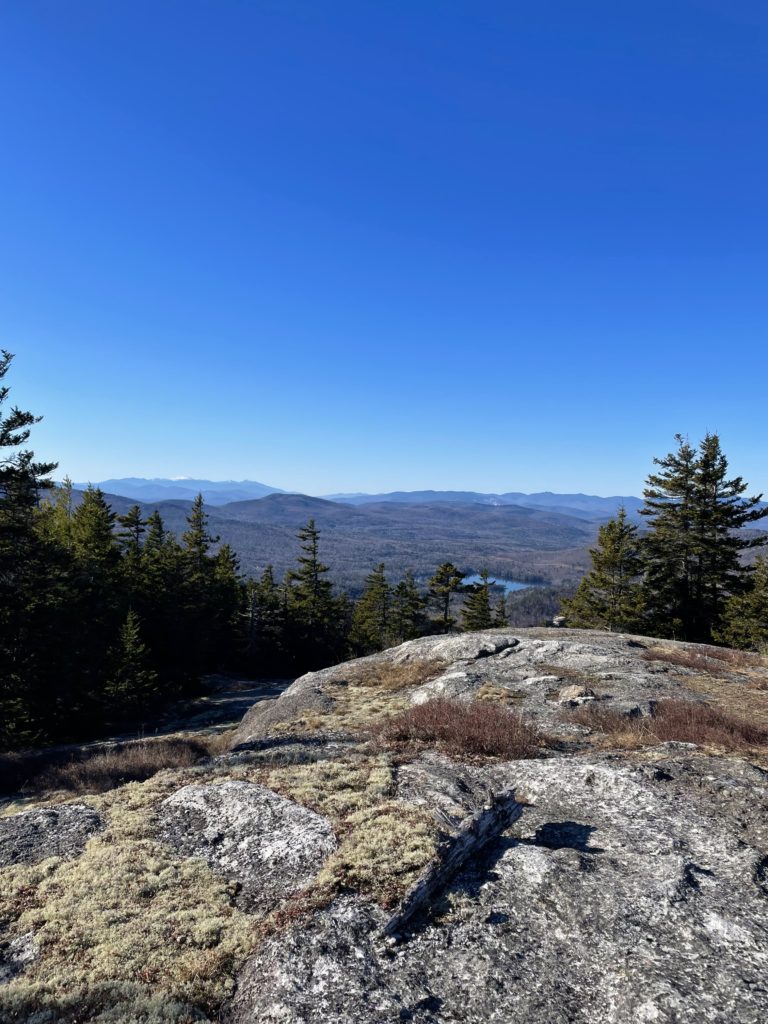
105	617
686	577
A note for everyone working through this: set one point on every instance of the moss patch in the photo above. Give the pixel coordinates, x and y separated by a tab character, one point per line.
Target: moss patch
129	931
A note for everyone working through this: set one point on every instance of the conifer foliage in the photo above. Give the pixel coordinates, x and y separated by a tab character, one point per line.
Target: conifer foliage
686	577
692	553
609	596
476	613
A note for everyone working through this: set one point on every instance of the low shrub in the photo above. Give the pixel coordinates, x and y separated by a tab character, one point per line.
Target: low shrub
707	659
458	727
129	762
684	721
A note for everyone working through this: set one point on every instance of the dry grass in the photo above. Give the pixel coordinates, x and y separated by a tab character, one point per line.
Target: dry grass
102	770
389	676
364	695
500	694
708	659
684	721
465	728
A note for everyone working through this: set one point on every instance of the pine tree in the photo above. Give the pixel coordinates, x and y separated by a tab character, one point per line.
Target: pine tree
610	595
408	618
692	551
744	621
476	613
131	682
443	585
371	630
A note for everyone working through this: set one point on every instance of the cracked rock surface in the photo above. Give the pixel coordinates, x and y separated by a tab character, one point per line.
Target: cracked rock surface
271	846
625	893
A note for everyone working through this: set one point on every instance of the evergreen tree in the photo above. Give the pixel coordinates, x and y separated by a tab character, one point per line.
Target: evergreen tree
314	621
476	613
27	593
226	598
196	539
610	595
96	578
311	591
55	517
443	585
501	615
155	532
371	630
132	527
692	552
408	618
265	624
745	616
131	682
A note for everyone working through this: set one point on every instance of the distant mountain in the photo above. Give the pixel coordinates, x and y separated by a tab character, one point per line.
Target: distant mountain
591	507
215	492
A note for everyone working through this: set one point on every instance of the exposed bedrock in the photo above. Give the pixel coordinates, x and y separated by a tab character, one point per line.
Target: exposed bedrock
62	831
271	846
624	893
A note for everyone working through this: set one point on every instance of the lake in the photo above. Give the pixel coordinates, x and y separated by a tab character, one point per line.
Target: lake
508	585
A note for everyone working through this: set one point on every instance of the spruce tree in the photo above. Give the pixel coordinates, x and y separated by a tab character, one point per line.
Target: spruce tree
314	620
371	629
265	625
28	591
610	595
443	585
196	539
408	618
476	613
501	615
132	682
311	590
692	551
744	621
132	527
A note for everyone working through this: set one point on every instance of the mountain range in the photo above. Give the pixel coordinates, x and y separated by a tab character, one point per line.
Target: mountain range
223	492
511	541
541	538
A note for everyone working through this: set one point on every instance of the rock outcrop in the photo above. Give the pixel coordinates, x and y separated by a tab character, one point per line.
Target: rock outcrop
272	847
605	877
624	893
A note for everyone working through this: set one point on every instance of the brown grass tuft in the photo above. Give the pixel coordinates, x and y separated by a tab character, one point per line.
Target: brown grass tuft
390	676
683	721
129	762
708	659
458	727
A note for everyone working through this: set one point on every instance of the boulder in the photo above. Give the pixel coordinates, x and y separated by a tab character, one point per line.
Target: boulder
575	694
62	831
271	846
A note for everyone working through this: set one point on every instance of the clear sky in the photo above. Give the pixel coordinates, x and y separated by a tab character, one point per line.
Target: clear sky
385	244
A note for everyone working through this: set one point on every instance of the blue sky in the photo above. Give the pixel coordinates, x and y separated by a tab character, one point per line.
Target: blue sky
366	245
